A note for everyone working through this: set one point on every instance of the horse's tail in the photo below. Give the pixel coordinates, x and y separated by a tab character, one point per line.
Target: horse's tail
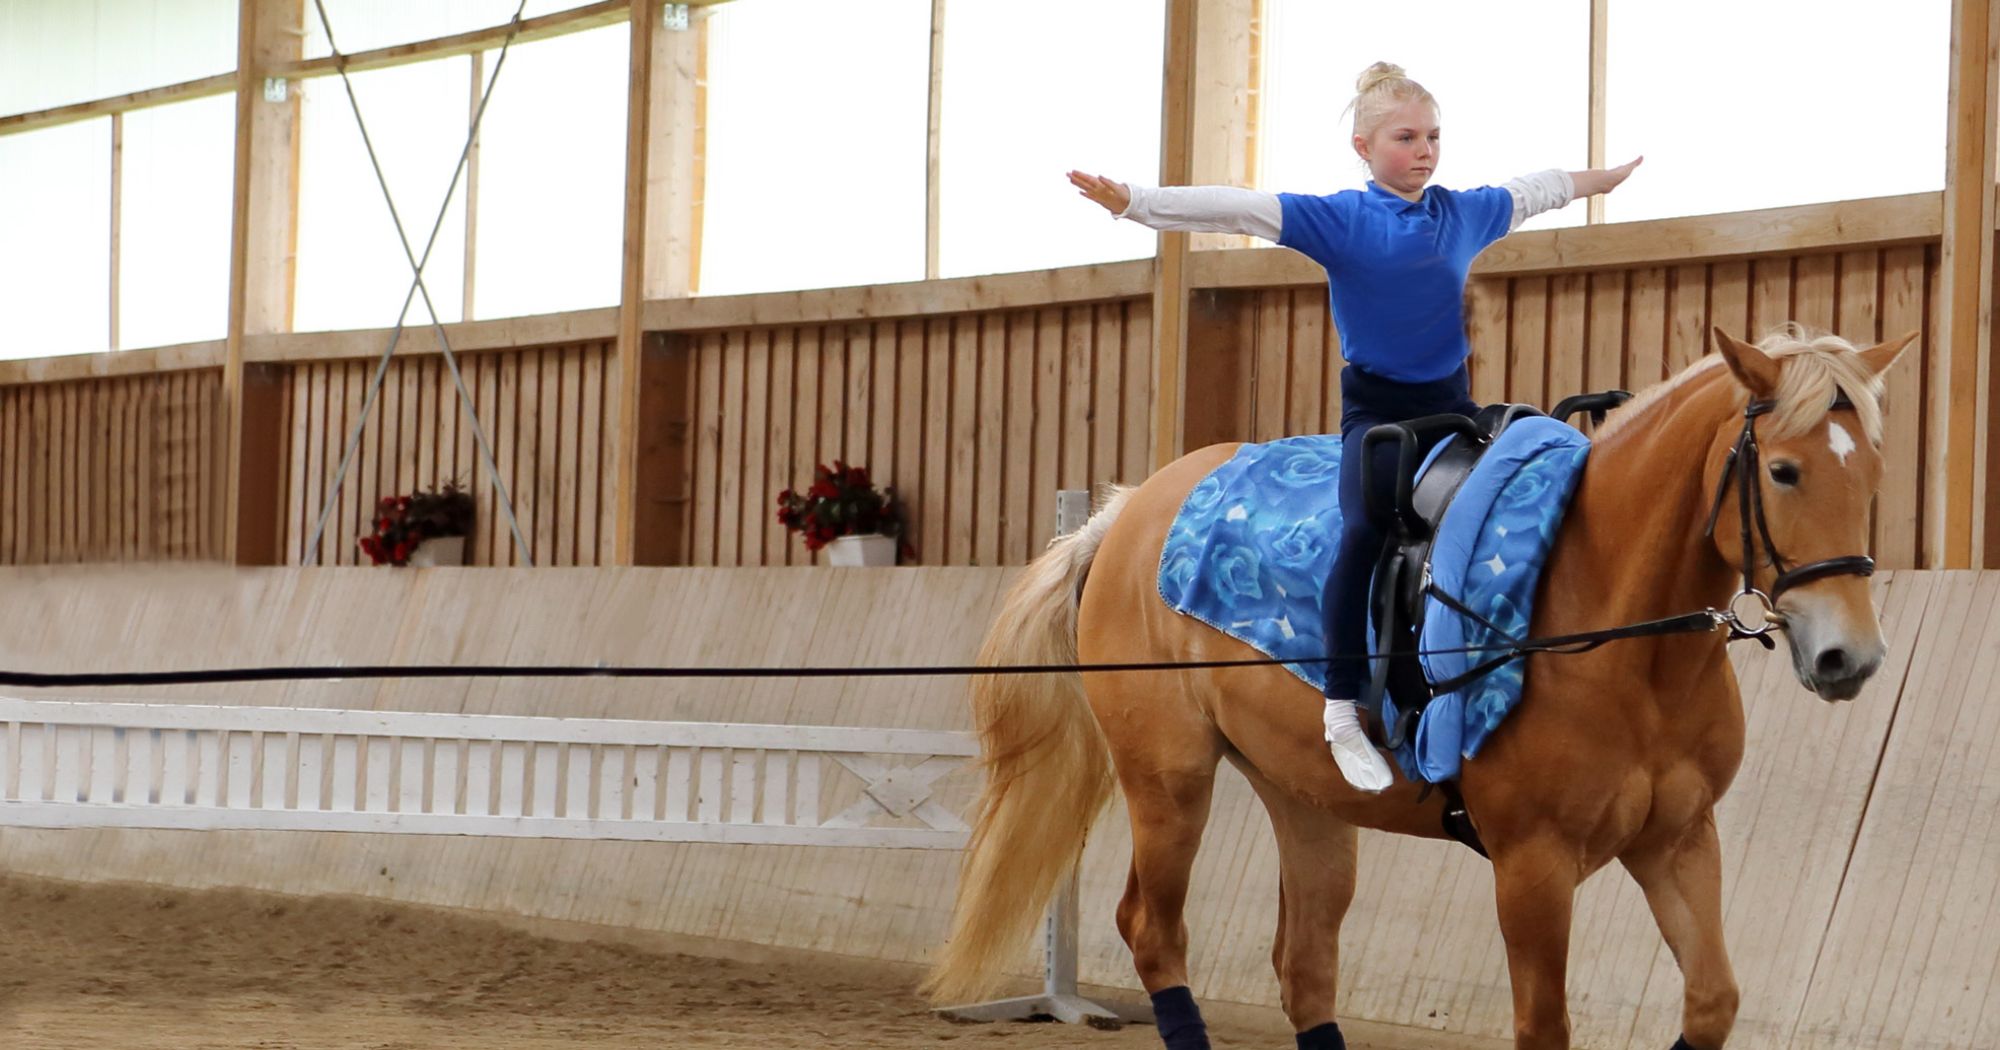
1048	770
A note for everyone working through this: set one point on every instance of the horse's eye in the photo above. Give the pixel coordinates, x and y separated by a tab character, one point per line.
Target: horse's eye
1785	473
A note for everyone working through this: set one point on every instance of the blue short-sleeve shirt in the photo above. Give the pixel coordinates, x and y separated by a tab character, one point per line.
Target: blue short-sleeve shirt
1396	270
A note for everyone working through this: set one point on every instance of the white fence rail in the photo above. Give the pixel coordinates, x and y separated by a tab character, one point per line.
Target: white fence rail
72	765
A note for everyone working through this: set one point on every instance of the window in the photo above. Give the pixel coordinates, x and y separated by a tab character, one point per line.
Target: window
352	272
816	144
55	270
1512	83
1740	106
364	25
56	52
1031	90
551	207
174	224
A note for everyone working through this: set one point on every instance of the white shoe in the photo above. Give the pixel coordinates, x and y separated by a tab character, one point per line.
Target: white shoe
1357	758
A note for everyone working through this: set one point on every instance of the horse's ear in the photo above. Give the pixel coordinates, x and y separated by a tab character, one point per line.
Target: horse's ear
1879	357
1754	368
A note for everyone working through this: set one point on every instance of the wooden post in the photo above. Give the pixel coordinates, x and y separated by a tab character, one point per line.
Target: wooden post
1205	117
660	145
1599	37
933	198
263	236
1957	491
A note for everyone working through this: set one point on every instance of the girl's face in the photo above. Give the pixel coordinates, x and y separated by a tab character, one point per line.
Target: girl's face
1403	152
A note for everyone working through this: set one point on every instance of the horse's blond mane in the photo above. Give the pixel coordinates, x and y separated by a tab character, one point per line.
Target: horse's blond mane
1816	366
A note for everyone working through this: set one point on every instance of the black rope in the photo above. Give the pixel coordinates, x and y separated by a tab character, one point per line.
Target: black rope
1560	645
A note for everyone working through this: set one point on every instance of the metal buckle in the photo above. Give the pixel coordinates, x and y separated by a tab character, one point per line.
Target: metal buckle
1756	620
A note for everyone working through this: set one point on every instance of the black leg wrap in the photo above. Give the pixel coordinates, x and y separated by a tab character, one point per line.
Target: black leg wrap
1324	1037
1179	1019
1683	1044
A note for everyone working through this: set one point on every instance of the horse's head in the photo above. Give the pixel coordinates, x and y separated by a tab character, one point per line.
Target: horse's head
1807	454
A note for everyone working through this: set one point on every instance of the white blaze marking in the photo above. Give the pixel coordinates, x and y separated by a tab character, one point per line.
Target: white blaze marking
1840	441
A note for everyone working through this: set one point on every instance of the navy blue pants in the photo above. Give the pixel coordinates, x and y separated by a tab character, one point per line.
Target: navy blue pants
1368	400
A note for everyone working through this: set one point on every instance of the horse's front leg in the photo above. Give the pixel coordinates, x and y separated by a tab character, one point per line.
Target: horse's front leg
1683	884
1535	885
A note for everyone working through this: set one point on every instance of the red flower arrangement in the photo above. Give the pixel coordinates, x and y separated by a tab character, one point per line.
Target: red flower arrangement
841	501
403	522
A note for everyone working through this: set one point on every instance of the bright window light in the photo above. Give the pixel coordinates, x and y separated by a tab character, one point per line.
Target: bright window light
1739	106
817	117
1007	137
1512	83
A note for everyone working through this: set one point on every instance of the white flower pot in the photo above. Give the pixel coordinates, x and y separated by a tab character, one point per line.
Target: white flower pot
442	550
857	551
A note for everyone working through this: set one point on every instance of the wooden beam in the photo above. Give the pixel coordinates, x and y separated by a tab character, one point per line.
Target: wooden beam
1599	37
1953	423
671	165
206	87
263	228
932	198
631	348
472	185
543	27
1170	288
117	215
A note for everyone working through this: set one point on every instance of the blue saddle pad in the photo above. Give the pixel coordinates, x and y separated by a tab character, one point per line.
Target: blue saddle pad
1251	547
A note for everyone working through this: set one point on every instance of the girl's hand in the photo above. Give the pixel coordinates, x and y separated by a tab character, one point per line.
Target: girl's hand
1111	194
1592	183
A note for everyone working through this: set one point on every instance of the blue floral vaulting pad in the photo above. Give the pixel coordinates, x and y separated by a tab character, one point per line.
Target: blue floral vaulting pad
1250	550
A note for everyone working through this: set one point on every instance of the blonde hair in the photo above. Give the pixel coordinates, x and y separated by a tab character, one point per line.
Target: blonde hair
1379	91
1816	366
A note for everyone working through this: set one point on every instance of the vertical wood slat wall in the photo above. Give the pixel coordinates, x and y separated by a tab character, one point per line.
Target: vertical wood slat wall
975	419
1537	339
113	469
543	411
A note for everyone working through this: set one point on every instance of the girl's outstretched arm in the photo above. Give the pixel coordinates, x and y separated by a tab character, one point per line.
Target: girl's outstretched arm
1196	209
1602	180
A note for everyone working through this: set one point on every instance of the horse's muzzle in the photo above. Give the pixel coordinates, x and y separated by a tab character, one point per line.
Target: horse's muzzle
1836	672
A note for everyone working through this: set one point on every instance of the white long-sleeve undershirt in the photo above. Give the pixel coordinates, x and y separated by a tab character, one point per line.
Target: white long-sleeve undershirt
1229	209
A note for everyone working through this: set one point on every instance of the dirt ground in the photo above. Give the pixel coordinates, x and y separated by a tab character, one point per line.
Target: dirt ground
119	966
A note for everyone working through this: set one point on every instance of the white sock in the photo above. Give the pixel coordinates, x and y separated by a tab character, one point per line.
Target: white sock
1357	758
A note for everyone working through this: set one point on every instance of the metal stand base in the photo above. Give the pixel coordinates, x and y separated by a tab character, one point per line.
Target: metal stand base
1069	1009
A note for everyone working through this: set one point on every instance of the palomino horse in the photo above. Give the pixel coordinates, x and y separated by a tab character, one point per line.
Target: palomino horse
1616	754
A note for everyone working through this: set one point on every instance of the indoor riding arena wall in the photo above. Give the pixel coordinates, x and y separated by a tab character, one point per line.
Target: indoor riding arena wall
1859	839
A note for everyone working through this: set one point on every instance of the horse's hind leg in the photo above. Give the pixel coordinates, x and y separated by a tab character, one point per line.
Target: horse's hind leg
1683	884
1316	873
1168	776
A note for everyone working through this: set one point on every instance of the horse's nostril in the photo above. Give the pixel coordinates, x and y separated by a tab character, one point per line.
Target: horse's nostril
1832	663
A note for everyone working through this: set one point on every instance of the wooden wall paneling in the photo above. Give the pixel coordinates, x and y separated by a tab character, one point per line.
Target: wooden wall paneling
1604	364
1107	387
1220	363
1770	294
708	448
989	521
555	451
1528	342
1899	501
529	454
1305	407
1074	401
1729	299
1270	365
1687	316
862	363
1016	511
807	437
1486	317
572	460
755	422
1646	328
964	469
934	543
911	428
1136	446
779	472
1048	403
1813	291
1569	315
